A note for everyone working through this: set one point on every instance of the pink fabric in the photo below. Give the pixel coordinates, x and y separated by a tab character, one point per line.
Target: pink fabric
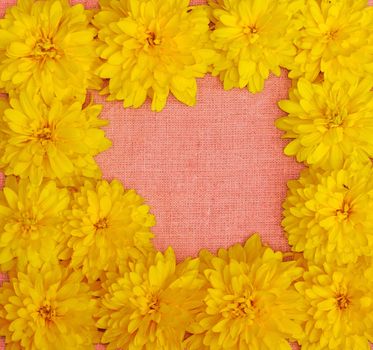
213	174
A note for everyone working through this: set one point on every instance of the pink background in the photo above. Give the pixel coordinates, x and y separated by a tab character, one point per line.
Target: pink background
212	174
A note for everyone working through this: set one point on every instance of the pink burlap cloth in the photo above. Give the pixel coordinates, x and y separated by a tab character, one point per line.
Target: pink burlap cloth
212	174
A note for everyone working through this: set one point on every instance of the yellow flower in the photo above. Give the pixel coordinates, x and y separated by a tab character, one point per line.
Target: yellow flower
329	214
3	106
251	301
339	307
106	225
334	40
150	306
252	40
54	141
152	48
48	309
328	122
30	223
48	46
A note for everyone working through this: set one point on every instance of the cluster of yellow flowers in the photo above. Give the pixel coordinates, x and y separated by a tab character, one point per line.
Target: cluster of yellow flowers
328	212
78	249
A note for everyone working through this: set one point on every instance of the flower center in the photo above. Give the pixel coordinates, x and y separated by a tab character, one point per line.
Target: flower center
252	32
345	211
331	35
47	313
28	223
329	1
343	301
153	304
44	135
72	189
250	29
335	118
152	39
45	48
102	224
241	308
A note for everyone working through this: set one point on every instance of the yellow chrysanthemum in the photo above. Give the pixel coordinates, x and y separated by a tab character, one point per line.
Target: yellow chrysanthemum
30	223
329	214
251	38
339	307
150	306
328	122
50	308
106	225
152	48
334	40
251	301
48	47
3	106
54	141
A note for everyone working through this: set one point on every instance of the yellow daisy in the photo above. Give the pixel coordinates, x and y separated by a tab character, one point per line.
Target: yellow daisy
152	48
150	306
53	141
251	301
50	308
328	122
251	38
106	225
329	214
30	223
48	46
334	40
339	307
